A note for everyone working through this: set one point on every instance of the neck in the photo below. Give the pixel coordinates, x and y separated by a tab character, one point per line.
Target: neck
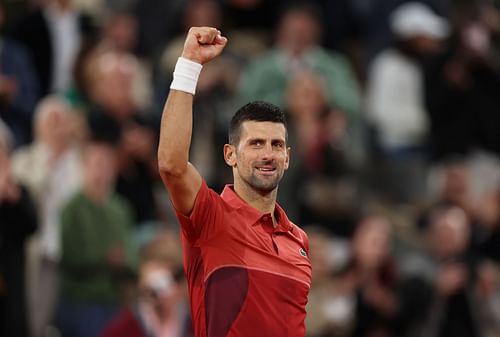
97	194
265	202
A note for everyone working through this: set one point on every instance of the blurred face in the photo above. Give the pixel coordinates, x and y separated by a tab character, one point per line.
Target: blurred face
298	32
261	156
56	127
156	281
456	184
306	95
425	44
100	166
371	242
113	84
202	13
122	31
450	233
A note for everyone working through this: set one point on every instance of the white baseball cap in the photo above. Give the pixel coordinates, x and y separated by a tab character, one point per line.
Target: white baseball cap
415	18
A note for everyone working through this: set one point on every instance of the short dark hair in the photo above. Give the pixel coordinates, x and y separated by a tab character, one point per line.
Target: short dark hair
254	111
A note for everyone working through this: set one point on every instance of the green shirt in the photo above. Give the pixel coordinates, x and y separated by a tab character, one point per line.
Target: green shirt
89	232
266	78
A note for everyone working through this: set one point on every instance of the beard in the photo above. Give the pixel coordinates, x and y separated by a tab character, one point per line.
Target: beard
264	185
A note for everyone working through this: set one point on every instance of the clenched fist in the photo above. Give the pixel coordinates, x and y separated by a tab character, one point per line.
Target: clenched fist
203	44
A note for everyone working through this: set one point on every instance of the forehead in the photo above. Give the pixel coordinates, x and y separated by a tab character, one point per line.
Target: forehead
264	130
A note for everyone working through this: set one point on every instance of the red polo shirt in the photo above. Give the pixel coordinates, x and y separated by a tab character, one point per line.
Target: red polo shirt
245	277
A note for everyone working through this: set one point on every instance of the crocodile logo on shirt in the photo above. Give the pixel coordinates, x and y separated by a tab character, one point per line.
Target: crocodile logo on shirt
302	252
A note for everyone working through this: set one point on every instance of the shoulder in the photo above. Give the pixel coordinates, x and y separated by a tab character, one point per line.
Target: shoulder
390	58
30	22
73	205
12	49
120	205
265	60
299	232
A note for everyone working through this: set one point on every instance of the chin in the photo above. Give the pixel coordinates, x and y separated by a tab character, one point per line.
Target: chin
264	186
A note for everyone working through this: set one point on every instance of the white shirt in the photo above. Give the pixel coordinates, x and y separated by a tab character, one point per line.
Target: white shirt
395	100
65	37
51	185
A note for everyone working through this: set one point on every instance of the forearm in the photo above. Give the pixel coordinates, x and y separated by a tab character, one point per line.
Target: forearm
175	133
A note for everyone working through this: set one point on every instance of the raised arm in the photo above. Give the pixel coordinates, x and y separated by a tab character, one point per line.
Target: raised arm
180	177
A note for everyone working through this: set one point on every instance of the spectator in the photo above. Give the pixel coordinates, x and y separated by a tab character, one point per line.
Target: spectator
161	310
297	48
95	228
115	106
17	222
328	312
55	155
119	34
395	103
53	34
320	187
372	277
362	300
440	291
461	89
486	232
18	87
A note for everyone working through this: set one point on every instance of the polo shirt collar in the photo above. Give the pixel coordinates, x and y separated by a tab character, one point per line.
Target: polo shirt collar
253	215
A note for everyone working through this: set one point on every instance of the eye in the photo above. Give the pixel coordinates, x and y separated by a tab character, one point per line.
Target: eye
278	144
257	143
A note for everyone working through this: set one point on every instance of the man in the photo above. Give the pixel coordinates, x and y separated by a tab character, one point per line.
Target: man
246	264
95	232
161	307
18	86
17	223
53	33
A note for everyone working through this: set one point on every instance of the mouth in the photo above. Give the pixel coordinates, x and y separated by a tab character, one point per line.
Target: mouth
266	169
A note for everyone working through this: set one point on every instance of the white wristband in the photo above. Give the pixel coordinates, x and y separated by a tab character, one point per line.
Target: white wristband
186	75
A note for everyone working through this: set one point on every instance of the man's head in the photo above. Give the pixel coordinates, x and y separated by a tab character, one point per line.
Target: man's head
257	149
257	111
299	28
100	168
54	122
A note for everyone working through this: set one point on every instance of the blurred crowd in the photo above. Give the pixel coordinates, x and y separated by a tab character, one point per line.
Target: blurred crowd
394	123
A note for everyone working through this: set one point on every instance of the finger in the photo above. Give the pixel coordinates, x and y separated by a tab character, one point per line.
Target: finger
207	35
219	39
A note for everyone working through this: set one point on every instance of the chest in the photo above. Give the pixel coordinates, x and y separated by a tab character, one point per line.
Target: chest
257	246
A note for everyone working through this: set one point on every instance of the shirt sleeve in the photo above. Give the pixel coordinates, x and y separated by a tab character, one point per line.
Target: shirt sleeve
206	218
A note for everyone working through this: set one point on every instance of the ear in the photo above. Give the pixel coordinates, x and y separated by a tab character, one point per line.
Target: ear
287	159
230	155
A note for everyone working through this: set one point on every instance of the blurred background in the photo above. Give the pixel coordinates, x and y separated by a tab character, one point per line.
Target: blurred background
394	123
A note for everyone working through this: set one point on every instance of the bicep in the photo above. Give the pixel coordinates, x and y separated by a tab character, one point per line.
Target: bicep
183	189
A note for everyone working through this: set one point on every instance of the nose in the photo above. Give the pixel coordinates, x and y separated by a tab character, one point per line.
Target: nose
267	152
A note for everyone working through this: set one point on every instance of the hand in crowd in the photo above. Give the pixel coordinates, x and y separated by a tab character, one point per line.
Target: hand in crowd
8	88
451	278
9	191
116	257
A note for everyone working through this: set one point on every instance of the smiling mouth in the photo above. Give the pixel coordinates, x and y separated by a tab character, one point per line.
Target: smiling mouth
266	169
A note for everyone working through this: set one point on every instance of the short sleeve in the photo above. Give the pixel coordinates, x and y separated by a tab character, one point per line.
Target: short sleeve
206	218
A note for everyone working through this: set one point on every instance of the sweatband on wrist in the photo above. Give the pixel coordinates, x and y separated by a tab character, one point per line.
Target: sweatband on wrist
186	75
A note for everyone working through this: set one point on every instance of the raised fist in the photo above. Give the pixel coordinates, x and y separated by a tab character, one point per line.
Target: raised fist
203	44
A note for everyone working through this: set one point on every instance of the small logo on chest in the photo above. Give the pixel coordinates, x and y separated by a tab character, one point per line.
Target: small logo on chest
302	252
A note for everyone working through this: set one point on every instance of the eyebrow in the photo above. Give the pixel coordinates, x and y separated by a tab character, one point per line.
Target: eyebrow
273	140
